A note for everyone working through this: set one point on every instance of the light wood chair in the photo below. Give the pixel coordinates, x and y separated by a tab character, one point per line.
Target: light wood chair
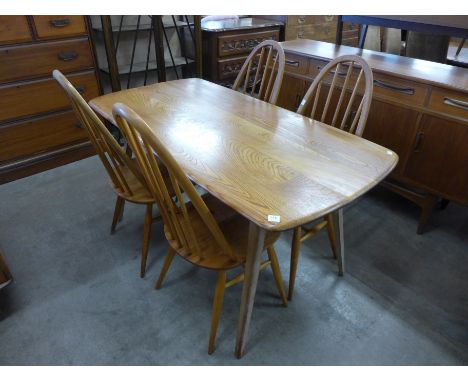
263	72
330	99
126	178
5	274
203	231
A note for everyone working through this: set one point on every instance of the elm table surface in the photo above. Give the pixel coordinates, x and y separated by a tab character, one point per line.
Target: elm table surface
258	158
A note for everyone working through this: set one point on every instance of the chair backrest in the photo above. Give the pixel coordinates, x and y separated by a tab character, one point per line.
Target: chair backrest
112	155
345	78
178	224
263	72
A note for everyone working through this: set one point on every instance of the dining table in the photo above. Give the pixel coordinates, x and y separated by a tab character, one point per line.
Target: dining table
275	167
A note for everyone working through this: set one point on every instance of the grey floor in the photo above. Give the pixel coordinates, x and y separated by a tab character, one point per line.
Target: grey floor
77	298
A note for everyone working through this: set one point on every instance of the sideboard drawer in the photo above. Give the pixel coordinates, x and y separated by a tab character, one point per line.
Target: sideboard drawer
243	43
59	26
296	64
400	90
30	61
40	134
312	19
321	32
14	29
449	102
230	67
31	98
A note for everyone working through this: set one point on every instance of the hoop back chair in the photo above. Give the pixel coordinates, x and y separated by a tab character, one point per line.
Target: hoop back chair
322	107
264	68
126	178
203	231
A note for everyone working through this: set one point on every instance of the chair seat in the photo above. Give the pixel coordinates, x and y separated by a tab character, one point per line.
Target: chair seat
139	194
234	227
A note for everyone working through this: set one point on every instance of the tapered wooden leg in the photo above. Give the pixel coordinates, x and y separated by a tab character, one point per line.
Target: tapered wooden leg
331	237
295	252
427	207
252	268
166	265
217	305
277	273
336	221
146	238
119	205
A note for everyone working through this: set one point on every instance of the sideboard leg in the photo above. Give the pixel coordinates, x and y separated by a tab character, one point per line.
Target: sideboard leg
426	210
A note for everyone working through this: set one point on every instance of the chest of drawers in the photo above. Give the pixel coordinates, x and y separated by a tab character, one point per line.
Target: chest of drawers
38	129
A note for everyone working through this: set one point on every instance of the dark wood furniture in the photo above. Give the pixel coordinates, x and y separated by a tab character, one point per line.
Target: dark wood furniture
227	43
38	130
419	110
5	275
277	175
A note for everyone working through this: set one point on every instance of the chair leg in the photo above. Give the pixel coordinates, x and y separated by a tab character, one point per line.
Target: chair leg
217	305
118	210
331	236
167	263
277	273
146	238
295	252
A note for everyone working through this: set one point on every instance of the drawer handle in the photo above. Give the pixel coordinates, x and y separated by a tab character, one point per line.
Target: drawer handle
80	89
67	56
456	102
301	19
419	141
59	23
292	63
381	84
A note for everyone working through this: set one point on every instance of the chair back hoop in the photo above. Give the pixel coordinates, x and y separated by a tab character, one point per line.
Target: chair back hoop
112	155
262	71
178	224
350	84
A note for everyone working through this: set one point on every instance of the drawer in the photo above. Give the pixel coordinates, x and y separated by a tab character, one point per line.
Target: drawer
320	32
14	29
305	20
400	90
38	60
230	67
40	134
59	26
449	102
35	97
230	45
295	64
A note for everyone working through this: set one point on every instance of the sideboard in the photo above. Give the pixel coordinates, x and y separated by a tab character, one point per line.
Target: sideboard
419	110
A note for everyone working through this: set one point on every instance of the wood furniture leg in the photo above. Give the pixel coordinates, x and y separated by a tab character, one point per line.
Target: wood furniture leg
362	35
118	212
336	223
217	305
167	263
339	31
460	46
146	237
427	206
252	269
277	274
331	236
5	275
295	252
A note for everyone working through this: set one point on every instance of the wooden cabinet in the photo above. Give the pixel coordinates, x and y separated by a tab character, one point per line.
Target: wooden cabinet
38	130
419	110
227	43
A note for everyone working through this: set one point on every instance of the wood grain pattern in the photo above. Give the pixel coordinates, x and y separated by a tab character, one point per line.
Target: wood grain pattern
14	29
257	158
59	26
403	67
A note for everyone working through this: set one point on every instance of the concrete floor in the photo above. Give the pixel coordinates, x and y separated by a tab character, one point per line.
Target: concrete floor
77	298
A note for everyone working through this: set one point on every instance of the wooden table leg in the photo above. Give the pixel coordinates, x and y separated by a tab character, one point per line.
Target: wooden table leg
336	221
252	268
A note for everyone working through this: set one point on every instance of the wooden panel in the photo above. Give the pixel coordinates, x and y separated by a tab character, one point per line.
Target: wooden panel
234	44
29	61
296	64
439	158
30	98
404	91
230	67
449	102
312	19
255	157
322	32
59	26
393	127
40	134
291	93
14	29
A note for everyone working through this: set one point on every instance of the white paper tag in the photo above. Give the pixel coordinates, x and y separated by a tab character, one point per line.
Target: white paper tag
274	218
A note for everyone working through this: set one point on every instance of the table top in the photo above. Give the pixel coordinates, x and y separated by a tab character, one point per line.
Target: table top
238	24
257	158
429	72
